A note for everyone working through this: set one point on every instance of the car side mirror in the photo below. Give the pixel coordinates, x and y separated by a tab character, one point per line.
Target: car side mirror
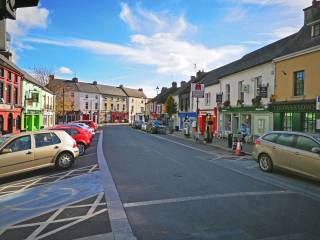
316	150
6	150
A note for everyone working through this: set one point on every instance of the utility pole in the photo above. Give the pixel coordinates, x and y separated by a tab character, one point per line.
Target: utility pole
63	105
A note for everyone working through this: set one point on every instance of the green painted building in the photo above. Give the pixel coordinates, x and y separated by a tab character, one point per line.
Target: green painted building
32	97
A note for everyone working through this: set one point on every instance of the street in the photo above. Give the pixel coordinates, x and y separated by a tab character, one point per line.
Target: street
173	189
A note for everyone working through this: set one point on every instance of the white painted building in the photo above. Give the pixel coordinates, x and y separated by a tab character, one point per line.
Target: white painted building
48	108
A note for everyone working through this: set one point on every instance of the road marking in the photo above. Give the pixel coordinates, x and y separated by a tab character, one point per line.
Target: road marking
87	155
185	145
205	197
116	211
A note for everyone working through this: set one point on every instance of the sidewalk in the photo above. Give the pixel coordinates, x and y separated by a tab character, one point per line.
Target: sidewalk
219	143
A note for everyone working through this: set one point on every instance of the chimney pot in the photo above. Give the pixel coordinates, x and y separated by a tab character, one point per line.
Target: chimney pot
174	84
75	79
94	83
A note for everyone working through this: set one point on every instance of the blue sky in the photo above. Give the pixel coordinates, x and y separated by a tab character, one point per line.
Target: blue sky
146	43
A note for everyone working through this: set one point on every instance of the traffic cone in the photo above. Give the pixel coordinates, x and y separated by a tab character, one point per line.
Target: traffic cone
238	149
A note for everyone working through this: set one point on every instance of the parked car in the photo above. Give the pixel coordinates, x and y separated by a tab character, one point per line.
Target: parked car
144	126
293	151
137	124
83	126
89	123
33	150
81	136
153	126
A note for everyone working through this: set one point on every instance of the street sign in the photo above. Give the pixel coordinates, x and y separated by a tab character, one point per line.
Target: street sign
318	103
197	90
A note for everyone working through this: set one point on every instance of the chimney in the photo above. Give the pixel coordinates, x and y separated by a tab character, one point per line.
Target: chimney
200	73
193	78
51	77
75	79
182	83
163	89
174	85
94	83
140	89
312	13
120	86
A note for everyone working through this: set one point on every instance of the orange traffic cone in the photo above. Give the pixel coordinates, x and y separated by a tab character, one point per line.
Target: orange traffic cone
238	149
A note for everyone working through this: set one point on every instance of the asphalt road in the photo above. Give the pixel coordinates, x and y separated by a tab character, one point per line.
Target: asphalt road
174	189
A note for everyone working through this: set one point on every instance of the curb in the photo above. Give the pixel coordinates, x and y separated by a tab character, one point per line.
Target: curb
210	144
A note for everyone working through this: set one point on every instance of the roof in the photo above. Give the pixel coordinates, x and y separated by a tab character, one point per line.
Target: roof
162	97
9	64
68	83
110	90
130	92
87	87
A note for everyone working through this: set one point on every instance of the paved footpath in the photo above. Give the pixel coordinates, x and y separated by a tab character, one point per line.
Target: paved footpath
49	204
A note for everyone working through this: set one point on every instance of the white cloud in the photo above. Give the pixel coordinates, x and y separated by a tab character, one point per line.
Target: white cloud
127	16
235	14
28	18
65	70
289	3
284	32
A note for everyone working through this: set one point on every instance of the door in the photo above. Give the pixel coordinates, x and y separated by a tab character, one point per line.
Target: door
284	150
17	155
47	146
305	161
10	123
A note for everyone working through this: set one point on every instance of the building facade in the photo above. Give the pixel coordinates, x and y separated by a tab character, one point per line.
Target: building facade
48	108
32	102
10	97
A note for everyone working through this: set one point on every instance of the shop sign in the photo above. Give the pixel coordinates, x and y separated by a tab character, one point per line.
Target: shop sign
305	107
219	98
197	90
263	91
318	103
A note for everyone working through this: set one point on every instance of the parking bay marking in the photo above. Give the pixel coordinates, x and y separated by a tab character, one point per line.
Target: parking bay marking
205	197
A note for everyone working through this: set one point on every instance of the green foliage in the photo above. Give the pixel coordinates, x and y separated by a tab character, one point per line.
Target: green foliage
171	106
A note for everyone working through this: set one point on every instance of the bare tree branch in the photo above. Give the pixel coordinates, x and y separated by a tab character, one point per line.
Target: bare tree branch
41	74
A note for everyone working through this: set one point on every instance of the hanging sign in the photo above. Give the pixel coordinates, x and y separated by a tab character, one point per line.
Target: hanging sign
197	90
263	91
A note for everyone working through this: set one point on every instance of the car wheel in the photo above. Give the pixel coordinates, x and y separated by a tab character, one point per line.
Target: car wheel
265	163
82	148
64	161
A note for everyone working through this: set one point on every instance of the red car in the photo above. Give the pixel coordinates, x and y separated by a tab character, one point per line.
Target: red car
90	123
81	136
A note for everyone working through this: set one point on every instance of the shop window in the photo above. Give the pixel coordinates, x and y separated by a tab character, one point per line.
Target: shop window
1	89
9	89
299	83
2	72
227	92
287	121
309	122
316	30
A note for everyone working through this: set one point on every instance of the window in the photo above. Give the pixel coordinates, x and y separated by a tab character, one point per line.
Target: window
96	106
20	144
2	72
241	92
1	89
111	107
87	96
46	139
142	109
309	122
123	107
72	94
18	123
132	109
105	105
286	121
87	105
9	89
258	84
207	99
298	83
118	107
35	97
9	76
306	144
96	97
142	102
15	95
111	98
286	140
16	78
227	92
316	30
271	137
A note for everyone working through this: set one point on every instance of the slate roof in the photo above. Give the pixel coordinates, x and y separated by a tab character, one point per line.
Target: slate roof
68	83
110	90
134	93
87	87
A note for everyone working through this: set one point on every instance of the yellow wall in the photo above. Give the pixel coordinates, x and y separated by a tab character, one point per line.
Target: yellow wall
310	63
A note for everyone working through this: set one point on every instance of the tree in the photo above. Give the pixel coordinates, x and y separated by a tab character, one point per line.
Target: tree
171	106
41	74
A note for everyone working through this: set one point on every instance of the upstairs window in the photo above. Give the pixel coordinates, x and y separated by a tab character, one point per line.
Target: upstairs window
207	99
316	30
258	84
1	89
298	83
15	96
9	76
228	92
9	89
2	72
16	78
241	90
87	105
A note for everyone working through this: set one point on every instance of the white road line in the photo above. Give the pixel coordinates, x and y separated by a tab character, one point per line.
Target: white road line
95	204
86	205
28	186
93	168
187	146
63	176
204	197
70	224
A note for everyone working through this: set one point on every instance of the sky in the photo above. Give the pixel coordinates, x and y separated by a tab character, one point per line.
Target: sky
146	43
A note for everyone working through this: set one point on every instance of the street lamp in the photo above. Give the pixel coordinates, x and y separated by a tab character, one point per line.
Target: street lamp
157	89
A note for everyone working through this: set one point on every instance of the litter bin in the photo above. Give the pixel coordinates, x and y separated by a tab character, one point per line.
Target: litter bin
230	140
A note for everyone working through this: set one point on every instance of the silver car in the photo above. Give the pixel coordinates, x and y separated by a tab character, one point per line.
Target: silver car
293	151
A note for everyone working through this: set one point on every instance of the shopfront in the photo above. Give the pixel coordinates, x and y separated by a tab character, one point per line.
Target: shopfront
299	116
253	121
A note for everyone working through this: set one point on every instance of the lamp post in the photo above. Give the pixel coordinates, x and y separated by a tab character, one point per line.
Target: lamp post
157	89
